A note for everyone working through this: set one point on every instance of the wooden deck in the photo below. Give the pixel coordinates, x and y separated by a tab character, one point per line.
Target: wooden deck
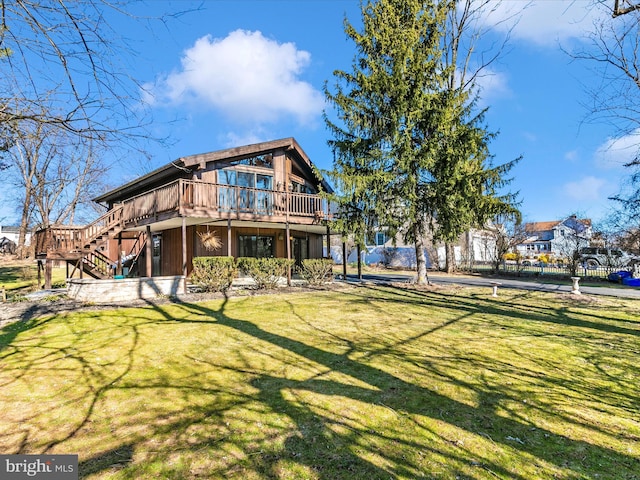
193	198
183	198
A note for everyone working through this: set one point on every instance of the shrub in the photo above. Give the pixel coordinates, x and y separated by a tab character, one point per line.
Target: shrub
317	271
265	271
545	258
213	274
511	256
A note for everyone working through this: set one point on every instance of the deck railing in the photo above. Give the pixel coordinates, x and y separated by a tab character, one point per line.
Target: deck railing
58	238
184	195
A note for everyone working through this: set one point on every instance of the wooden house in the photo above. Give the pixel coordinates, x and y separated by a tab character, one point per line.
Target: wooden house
258	200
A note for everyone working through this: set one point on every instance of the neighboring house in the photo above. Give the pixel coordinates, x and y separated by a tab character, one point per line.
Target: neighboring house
558	238
473	246
248	199
13	233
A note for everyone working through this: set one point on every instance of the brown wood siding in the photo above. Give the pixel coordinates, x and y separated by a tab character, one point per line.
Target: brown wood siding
315	246
200	250
171	251
111	248
171	261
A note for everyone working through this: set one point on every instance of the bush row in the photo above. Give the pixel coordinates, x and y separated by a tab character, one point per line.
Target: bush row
215	274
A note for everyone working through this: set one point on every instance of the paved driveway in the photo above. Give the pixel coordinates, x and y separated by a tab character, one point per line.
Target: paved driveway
442	279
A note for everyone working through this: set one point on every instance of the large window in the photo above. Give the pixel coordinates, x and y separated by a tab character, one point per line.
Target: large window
245	198
259	246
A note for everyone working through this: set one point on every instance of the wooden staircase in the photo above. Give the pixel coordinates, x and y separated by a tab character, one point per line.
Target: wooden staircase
80	246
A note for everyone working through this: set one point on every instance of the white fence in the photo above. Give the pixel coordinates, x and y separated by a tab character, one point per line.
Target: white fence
555	270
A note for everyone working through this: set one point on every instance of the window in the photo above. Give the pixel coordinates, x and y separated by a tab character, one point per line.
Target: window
301	188
259	246
245	198
265	161
245	179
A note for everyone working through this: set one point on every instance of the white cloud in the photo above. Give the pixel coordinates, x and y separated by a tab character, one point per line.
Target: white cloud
493	84
615	152
246	76
233	139
544	22
571	156
585	189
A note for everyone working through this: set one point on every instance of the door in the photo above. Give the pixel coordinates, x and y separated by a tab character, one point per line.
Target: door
157	250
300	249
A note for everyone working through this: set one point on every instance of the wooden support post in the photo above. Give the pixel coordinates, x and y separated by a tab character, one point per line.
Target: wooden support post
47	274
359	263
119	264
229	254
184	252
288	240
149	252
328	242
39	274
344	260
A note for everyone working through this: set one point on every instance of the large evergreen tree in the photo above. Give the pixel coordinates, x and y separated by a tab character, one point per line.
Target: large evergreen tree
380	143
408	151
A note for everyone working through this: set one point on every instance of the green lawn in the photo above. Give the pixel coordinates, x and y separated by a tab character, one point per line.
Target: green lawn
19	278
359	383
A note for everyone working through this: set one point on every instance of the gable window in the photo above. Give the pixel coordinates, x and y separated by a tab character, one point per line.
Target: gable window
259	246
264	161
301	188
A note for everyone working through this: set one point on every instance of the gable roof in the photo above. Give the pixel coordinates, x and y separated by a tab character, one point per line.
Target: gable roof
540	226
194	162
534	227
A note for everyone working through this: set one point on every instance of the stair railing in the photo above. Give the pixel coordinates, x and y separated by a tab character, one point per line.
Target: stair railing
100	226
96	261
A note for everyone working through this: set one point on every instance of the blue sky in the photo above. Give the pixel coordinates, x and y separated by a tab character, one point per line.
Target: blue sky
239	72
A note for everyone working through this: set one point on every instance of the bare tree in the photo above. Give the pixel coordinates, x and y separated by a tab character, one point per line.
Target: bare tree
503	235
55	172
65	98
612	48
573	240
624	7
612	51
64	65
618	230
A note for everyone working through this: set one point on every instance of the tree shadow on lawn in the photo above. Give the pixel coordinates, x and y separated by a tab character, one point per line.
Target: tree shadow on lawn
411	400
523	317
330	447
505	306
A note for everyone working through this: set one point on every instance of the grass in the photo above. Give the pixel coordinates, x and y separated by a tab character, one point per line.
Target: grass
360	383
20	277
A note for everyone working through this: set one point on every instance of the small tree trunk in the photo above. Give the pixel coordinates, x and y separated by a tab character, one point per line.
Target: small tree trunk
24	226
421	262
450	260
